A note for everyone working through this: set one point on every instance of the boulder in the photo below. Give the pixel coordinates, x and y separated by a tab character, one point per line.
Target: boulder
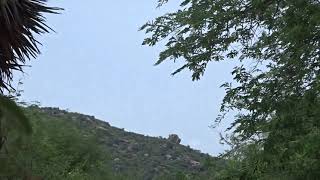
168	157
174	139
194	163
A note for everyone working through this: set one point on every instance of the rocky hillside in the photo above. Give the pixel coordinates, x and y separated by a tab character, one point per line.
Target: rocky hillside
125	154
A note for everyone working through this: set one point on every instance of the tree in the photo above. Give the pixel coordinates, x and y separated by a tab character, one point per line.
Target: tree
20	20
276	88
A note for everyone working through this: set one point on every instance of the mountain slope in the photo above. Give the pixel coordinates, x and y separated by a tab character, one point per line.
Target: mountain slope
69	145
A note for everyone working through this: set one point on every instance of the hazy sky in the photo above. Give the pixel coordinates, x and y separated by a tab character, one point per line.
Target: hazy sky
95	64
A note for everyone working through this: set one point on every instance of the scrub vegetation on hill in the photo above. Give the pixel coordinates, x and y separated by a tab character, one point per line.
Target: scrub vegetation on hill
68	145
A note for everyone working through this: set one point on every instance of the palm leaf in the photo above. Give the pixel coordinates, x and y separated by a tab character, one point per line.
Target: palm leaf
19	21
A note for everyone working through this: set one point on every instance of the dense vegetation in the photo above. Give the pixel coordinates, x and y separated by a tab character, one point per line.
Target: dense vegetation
74	146
276	89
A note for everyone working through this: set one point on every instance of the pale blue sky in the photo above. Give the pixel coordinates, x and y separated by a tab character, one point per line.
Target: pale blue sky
95	65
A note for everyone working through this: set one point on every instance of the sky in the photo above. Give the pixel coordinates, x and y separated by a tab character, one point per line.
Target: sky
95	64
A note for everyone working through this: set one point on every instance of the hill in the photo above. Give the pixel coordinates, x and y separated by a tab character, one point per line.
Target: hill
67	145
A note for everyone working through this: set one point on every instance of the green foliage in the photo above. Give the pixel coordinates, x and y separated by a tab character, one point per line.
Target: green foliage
60	150
275	134
15	130
13	115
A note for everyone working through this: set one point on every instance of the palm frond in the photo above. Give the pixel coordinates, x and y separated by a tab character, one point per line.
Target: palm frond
20	20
